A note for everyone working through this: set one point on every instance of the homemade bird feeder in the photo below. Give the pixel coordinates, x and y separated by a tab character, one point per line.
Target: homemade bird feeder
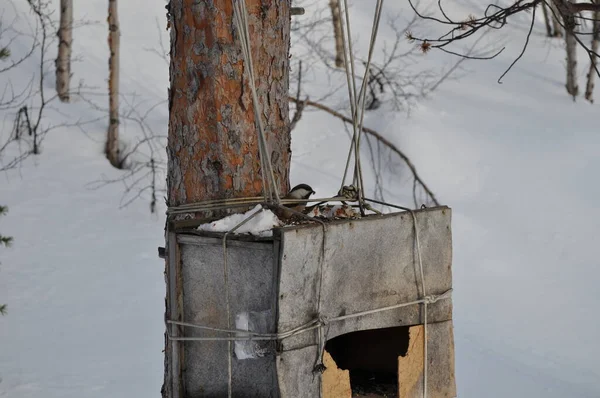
355	307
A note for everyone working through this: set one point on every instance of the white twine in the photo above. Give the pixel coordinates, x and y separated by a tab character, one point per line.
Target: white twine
360	102
219	204
245	335
270	189
240	17
425	302
226	278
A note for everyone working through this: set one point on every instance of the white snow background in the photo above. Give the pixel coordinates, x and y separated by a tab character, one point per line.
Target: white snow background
517	162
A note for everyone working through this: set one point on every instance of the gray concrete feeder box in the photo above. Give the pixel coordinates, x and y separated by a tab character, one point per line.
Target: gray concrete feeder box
301	273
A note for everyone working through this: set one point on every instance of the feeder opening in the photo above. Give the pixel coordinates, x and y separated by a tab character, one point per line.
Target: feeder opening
371	357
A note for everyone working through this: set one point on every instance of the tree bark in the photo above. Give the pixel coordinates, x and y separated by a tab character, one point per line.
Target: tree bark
212	143
571	45
337	32
558	32
63	60
112	137
589	88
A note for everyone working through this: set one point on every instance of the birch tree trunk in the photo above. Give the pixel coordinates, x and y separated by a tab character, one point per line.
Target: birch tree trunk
63	60
571	45
112	137
337	32
589	88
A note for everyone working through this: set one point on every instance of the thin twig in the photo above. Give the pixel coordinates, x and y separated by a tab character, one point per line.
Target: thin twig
381	139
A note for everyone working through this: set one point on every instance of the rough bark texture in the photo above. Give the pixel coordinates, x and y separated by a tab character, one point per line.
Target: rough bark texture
63	60
589	88
212	145
112	137
337	32
571	45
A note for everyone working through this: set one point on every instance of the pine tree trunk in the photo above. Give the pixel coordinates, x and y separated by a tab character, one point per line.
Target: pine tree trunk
337	32
212	144
112	137
63	60
589	88
571	45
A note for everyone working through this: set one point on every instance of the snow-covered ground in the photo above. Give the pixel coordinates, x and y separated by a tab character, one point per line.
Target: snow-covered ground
517	162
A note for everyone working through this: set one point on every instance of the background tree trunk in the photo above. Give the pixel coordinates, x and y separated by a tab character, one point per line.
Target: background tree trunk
571	45
212	144
547	20
589	88
112	137
63	60
337	32
558	30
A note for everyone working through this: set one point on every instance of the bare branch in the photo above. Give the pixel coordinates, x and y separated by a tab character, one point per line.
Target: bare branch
31	104
522	50
495	17
299	104
163	53
379	138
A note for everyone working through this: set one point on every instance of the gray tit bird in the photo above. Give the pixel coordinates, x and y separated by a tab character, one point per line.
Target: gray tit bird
300	191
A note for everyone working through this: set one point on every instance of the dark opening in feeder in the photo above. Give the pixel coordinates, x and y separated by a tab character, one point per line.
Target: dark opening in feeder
371	357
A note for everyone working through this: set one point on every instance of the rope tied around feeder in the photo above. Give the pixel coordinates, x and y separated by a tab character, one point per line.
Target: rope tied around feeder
320	322
249	335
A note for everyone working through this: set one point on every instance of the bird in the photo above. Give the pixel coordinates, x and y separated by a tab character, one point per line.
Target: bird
300	191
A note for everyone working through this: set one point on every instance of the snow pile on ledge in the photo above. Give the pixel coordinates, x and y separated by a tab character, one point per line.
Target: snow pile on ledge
260	225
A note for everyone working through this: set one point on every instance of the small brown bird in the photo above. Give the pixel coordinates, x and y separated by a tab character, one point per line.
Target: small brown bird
300	191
